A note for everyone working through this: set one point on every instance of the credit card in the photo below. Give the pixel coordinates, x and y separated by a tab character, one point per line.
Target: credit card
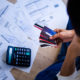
38	26
44	45
43	42
47	31
48	40
44	35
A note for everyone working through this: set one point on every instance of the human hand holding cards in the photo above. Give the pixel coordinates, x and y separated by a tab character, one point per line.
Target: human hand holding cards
45	35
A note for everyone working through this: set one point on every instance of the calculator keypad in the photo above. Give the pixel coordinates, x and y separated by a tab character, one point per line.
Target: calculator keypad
22	56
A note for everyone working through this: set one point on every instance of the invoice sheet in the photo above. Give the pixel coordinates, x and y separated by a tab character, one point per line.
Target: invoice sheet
51	13
5	75
16	31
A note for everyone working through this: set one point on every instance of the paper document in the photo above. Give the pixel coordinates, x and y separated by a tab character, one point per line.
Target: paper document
16	29
51	13
17	20
5	75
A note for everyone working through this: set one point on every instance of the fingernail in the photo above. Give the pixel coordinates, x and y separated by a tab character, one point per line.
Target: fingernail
50	38
56	46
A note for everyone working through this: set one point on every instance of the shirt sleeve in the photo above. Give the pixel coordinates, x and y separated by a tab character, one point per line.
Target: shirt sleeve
71	77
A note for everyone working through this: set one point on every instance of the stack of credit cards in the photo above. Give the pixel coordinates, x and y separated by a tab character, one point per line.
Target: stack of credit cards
45	35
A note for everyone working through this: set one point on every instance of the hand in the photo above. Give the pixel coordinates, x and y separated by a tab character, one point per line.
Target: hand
64	35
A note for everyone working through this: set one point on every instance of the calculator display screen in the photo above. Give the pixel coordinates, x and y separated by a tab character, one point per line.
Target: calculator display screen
10	55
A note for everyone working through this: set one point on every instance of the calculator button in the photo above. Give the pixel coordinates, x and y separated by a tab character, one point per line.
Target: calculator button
20	53
28	57
17	52
14	55
28	61
17	59
28	50
28	64
27	53
15	49
20	56
25	56
18	49
23	60
22	49
16	62
24	53
17	56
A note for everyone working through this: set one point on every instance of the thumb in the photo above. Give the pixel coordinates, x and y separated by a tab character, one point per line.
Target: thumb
58	30
55	36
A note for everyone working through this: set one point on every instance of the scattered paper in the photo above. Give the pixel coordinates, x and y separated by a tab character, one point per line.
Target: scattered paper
51	13
5	75
17	20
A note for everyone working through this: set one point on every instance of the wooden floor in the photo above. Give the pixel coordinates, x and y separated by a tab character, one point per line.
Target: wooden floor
44	58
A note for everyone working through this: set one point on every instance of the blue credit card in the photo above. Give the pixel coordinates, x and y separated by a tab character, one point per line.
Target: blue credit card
47	32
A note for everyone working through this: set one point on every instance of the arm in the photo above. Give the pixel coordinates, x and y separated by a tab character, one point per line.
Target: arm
73	52
68	66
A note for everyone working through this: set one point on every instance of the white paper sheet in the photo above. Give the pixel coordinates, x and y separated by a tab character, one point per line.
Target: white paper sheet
5	75
17	20
51	13
16	30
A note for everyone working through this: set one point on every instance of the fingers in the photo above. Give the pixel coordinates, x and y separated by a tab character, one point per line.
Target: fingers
55	36
58	35
58	41
58	30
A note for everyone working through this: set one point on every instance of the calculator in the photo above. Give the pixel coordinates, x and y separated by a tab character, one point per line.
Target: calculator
18	56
